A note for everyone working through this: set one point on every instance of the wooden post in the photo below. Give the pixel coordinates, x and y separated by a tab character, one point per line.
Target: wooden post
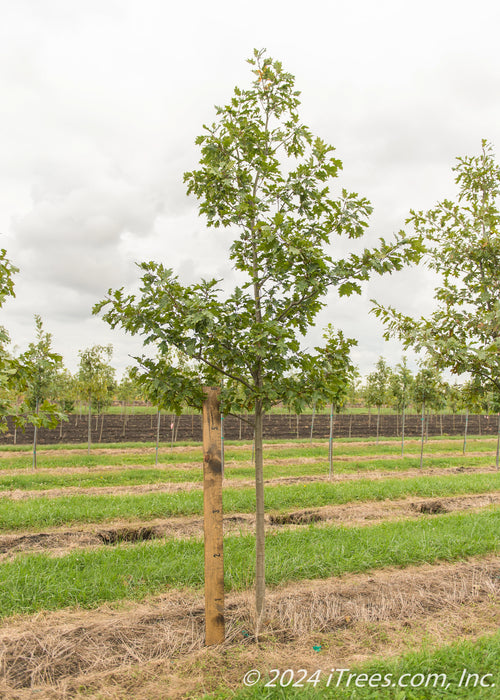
212	504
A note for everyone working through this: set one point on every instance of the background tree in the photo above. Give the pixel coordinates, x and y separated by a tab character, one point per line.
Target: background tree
95	377
8	367
377	388
38	370
400	390
127	391
463	246
263	175
336	378
425	389
166	380
471	394
64	392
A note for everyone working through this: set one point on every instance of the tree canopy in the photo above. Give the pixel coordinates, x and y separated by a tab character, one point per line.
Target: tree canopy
462	241
264	175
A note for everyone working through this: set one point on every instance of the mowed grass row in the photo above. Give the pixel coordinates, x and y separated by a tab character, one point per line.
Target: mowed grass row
87	578
48	461
435	673
37	513
134	477
95	446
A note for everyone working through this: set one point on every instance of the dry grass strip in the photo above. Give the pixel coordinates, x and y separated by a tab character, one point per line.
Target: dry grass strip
54	650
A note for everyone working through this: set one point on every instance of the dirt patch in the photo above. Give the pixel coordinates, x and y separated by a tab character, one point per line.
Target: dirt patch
351	618
128	534
432	507
58	542
298	517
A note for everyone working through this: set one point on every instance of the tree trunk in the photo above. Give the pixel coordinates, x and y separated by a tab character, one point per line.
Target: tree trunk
423	435
102	425
157	436
241	423
297	417
403	431
312	421
260	564
350	425
89	430
330	445
378	421
221	443
465	430
498	443
35	437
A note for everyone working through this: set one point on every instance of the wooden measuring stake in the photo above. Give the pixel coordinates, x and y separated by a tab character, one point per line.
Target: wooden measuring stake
212	505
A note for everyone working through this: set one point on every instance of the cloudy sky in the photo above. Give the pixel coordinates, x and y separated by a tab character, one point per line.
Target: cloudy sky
101	102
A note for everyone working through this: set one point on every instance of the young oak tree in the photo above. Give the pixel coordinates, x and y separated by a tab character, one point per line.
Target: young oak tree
263	175
377	388
8	378
463	246
38	368
401	384
96	378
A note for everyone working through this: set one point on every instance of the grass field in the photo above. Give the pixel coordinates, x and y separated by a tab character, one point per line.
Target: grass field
385	569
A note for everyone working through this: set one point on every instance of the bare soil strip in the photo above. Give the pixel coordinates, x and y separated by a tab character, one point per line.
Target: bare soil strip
118	652
165	487
58	541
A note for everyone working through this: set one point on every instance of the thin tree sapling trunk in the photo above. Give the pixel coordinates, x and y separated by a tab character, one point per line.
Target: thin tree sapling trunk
465	430
423	435
312	421
157	436
260	565
498	443
330	444
89	429
35	432
403	415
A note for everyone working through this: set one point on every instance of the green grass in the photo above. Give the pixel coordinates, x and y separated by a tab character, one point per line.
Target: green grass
479	657
128	476
95	446
88	578
274	452
36	513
